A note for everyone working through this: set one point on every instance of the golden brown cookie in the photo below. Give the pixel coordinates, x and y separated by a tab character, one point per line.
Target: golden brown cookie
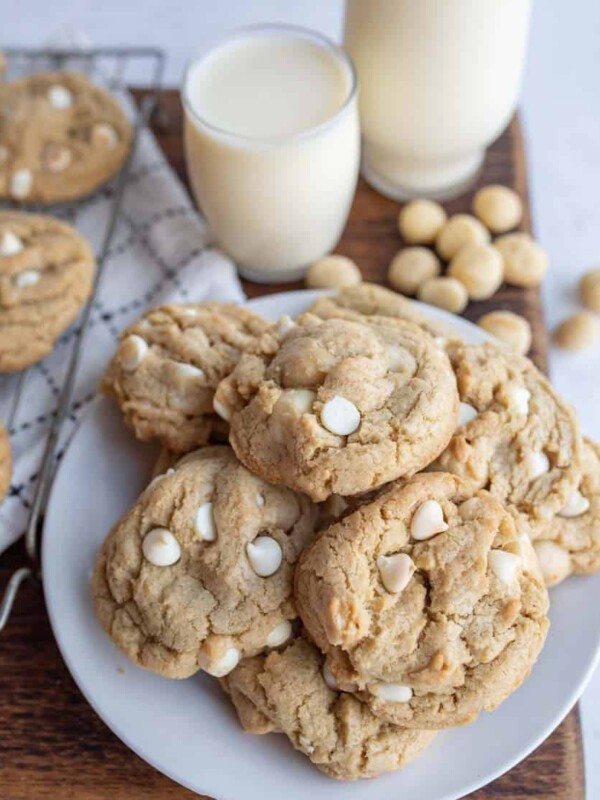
199	572
517	438
168	364
569	542
46	274
341	407
291	692
60	137
429	599
5	461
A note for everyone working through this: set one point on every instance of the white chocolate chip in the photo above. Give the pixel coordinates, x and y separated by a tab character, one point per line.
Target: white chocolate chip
391	692
340	416
161	548
397	358
264	555
396	571
504	565
329	679
190	371
131	352
222	666
29	277
10	244
56	157
221	410
440	342
104	135
260	500
466	413
300	399
306	744
537	464
204	523
427	520
21	182
285	325
576	505
59	97
554	561
188	313
280	634
519	398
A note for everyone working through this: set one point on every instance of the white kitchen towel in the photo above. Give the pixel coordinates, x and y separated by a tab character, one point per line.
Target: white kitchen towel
161	252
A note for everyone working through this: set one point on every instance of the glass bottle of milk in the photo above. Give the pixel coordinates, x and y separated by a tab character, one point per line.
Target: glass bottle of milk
438	82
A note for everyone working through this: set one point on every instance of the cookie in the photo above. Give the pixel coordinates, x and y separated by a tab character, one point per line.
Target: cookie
519	439
46	274
198	574
569	542
429	600
60	137
168	364
370	300
287	692
341	407
5	461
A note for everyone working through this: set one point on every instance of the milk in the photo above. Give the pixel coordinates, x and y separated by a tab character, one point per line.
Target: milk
272	147
439	81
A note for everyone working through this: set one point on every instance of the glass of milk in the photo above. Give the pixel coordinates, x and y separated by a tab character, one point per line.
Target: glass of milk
439	81
272	147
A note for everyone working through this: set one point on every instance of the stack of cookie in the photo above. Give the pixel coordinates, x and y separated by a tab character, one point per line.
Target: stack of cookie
60	138
363	564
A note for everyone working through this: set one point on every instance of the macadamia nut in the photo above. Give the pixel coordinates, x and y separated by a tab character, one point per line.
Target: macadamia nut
333	272
479	268
512	329
525	262
577	332
420	221
411	267
445	293
589	290
460	230
498	207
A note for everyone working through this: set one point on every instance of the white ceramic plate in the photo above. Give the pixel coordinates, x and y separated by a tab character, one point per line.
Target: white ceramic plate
187	729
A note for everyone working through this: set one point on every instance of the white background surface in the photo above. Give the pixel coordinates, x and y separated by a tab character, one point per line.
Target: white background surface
561	106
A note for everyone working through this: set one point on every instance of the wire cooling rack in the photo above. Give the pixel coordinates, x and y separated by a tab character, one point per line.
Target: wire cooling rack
115	69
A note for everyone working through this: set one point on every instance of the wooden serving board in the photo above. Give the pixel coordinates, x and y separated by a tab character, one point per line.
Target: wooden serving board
54	747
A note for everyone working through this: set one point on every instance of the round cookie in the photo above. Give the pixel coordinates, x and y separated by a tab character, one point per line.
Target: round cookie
370	300
168	365
428	599
60	137
199	573
287	692
341	407
46	274
569	542
5	461
519	439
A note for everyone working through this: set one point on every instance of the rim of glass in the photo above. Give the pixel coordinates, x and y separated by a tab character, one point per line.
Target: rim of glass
296	31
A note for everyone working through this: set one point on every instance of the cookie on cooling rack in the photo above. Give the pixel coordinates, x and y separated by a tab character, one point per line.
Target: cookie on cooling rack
291	692
168	365
517	438
340	406
199	573
46	274
429	600
60	137
5	461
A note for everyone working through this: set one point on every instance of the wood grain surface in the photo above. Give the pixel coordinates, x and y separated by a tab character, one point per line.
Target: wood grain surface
54	747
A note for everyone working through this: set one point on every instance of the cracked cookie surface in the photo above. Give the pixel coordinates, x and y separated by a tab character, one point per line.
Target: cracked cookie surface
168	364
569	542
341	407
46	274
520	439
209	607
435	612
60	137
286	692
